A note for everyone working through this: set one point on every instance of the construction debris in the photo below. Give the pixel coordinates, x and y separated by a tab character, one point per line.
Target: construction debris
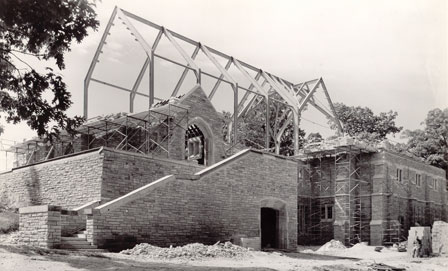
384	267
333	245
190	252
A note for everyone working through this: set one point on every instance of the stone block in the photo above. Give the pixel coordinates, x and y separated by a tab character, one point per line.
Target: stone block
440	238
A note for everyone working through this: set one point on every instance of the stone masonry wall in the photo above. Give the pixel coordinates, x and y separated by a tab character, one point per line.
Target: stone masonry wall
72	222
400	204
68	182
124	171
199	106
223	203
40	226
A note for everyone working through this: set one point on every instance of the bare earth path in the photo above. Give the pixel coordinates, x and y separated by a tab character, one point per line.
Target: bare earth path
32	259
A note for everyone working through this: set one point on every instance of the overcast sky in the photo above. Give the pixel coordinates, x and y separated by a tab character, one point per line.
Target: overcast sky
387	55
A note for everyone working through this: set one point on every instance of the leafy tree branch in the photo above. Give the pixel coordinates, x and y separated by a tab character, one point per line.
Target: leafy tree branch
45	30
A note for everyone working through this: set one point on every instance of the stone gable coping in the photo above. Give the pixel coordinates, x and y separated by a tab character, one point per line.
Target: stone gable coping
136	194
221	163
39	209
91	204
55	159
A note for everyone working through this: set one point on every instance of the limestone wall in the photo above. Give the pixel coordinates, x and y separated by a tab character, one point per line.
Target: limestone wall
68	182
40	226
219	205
125	171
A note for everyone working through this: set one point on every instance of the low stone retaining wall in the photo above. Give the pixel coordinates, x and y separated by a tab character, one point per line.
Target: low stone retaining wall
40	226
43	225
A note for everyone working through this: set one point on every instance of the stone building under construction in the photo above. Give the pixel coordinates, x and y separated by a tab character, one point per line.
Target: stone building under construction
101	196
167	176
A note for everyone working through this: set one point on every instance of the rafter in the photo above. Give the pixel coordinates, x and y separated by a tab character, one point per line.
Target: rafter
295	96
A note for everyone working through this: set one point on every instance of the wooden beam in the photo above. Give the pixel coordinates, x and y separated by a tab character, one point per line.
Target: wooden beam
215	87
308	97
137	84
280	90
182	52
118	87
336	119
139	38
222	70
95	60
250	78
184	73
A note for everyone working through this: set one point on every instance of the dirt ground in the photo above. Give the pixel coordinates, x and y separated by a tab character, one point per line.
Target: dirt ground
359	258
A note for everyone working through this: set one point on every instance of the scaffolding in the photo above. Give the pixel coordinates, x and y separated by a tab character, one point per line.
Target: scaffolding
391	233
346	185
313	179
148	132
250	85
347	193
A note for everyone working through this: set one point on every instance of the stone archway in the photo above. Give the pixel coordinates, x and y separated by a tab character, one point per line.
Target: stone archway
199	142
273	223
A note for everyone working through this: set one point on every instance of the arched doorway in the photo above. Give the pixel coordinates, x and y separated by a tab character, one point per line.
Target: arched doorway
195	145
199	144
273	224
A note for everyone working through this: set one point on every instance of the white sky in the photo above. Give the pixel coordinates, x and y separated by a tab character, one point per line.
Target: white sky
387	55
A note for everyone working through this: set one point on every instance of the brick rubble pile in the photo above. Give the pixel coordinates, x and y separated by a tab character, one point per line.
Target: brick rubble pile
191	251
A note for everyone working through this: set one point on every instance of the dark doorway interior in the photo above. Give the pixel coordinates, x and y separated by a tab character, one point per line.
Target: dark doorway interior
269	228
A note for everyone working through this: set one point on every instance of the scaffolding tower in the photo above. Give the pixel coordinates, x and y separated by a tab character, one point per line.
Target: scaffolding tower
347	194
347	185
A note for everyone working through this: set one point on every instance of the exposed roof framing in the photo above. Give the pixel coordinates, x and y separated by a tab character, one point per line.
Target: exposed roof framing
261	86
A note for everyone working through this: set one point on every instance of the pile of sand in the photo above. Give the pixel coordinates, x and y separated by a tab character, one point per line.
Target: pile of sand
190	252
333	245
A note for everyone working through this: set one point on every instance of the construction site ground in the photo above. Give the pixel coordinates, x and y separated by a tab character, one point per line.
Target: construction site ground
13	257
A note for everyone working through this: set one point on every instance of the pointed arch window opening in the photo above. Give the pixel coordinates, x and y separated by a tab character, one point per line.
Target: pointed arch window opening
195	143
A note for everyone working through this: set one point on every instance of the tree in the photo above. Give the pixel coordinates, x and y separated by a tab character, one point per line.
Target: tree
252	128
314	137
431	143
44	30
361	122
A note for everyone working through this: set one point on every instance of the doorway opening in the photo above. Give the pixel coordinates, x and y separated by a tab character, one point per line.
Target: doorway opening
269	228
195	143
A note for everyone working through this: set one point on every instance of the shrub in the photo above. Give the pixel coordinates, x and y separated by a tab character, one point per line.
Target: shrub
9	221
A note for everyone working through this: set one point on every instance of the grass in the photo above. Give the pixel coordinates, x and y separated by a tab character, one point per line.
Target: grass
9	221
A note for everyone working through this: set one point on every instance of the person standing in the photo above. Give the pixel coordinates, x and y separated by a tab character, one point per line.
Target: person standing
417	247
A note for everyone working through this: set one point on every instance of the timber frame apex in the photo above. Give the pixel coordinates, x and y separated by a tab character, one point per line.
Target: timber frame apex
260	89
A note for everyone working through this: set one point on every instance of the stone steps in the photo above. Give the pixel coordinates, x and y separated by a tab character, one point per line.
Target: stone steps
77	242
